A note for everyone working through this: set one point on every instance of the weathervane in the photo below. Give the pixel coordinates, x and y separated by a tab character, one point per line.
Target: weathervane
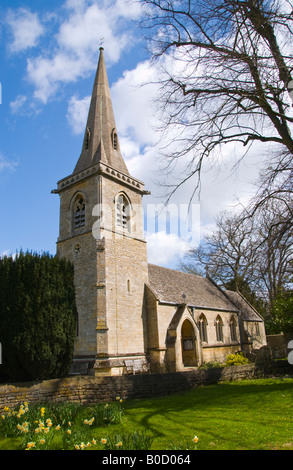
101	43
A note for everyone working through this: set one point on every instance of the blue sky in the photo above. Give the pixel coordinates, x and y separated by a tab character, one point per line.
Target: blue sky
49	53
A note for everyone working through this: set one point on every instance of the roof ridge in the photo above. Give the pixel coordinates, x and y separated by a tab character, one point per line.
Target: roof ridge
177	271
245	300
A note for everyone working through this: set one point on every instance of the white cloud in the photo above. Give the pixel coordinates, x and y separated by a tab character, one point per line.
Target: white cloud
77	42
6	164
47	74
7	253
77	113
18	103
25	27
164	249
132	96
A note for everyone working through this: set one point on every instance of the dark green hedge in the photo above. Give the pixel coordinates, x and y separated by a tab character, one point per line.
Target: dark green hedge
37	317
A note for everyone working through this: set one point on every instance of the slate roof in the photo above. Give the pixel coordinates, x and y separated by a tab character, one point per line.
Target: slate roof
170	286
248	313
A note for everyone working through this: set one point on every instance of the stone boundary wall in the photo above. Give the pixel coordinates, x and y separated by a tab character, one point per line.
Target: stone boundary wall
278	344
87	389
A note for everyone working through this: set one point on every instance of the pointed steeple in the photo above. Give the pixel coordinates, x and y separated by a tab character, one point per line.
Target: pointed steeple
101	142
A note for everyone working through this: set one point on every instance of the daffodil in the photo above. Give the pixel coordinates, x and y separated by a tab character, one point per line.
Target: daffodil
30	445
103	441
195	439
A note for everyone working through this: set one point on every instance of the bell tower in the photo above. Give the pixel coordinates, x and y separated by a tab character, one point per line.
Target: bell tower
101	232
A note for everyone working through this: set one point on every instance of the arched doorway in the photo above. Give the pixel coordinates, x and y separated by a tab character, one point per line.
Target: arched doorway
188	344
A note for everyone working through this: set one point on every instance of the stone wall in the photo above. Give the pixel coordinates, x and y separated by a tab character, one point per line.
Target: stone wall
278	345
87	389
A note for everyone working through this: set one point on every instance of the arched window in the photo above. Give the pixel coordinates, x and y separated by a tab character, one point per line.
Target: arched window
79	212
123	212
219	328
233	329
202	325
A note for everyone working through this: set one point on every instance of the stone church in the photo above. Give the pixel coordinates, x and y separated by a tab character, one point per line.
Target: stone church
134	316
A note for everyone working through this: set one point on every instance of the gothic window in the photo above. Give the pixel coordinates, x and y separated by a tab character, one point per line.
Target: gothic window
123	212
79	212
219	328
233	329
202	323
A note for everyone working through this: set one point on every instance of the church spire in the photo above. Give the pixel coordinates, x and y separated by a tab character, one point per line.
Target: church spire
101	142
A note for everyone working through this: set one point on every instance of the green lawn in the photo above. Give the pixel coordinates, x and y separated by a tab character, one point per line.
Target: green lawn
245	415
238	415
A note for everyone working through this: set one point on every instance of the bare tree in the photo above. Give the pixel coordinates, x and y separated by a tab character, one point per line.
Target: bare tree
228	254
255	251
227	73
274	255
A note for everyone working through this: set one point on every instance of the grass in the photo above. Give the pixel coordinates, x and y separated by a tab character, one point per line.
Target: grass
244	415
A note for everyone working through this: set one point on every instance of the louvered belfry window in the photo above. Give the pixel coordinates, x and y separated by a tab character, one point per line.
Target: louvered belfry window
122	212
79	212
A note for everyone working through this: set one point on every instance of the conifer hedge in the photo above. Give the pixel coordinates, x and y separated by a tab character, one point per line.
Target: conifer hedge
37	317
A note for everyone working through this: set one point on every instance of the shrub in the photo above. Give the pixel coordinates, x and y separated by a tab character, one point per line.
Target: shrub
211	365
37	317
236	360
